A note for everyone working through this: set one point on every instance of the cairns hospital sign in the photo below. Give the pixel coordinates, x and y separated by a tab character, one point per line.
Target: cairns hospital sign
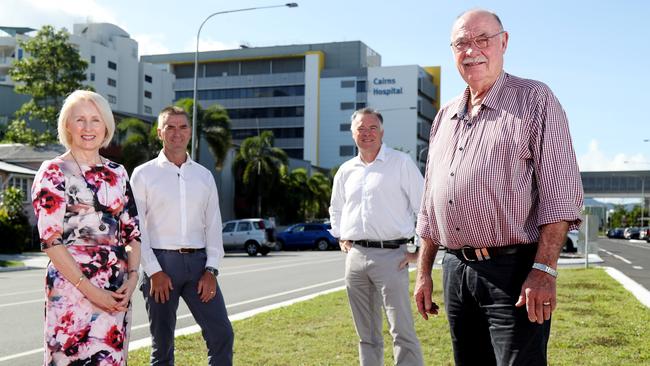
386	86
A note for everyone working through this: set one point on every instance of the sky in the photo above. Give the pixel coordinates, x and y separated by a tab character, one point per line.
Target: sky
589	52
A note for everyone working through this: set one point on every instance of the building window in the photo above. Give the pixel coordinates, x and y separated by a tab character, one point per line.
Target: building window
112	82
24	185
347	83
346	150
361	86
347	105
147	94
361	105
148	78
92	59
346	126
147	109
92	76
112	99
112	65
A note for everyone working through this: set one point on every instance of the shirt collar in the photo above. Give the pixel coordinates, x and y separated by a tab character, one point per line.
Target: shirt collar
162	159
381	155
491	100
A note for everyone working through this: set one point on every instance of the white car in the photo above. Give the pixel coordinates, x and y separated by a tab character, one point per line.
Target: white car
252	235
571	244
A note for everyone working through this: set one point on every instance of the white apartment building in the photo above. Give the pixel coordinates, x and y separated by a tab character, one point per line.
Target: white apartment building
114	70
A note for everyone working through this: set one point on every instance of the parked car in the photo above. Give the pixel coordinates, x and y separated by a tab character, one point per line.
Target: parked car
252	235
571	244
643	233
631	233
615	233
307	236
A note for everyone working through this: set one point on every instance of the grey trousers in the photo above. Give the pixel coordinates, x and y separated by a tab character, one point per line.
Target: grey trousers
185	270
373	279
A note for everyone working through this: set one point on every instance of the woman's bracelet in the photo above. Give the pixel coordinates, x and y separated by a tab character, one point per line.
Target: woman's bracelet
80	281
132	271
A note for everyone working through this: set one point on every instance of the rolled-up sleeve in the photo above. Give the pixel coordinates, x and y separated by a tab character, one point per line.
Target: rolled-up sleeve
556	169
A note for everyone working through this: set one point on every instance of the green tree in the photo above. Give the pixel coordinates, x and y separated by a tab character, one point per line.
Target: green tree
258	164
51	70
213	124
14	225
140	142
18	132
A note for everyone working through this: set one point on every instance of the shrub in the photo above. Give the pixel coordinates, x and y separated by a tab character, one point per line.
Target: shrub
15	231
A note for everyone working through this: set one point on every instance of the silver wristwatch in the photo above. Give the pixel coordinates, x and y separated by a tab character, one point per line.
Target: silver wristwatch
544	268
214	271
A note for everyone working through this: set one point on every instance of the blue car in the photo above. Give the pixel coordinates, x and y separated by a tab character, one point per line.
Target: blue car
306	236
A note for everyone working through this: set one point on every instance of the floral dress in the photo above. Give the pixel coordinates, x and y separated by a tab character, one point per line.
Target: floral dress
94	218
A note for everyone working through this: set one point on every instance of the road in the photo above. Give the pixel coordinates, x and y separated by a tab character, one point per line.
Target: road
247	283
632	257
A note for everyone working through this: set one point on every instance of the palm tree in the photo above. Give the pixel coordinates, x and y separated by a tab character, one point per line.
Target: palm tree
214	126
259	163
140	142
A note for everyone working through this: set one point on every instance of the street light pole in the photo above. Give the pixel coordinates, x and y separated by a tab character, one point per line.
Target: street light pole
196	63
426	148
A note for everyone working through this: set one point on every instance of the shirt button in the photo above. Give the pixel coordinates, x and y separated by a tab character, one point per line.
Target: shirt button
469	125
452	174
460	148
450	202
457	229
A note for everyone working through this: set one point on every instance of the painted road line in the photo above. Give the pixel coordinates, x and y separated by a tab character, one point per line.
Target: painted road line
616	256
637	267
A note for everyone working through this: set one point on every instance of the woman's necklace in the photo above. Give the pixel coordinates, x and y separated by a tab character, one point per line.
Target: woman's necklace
102	226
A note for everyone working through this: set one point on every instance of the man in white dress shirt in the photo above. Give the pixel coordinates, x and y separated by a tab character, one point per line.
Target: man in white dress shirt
182	247
375	199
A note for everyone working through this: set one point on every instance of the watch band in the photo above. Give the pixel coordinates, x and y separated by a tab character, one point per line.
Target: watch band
212	270
544	268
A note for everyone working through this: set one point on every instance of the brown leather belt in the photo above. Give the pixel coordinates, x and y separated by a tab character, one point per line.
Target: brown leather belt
481	254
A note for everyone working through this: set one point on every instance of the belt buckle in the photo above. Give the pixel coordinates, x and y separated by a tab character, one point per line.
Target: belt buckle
185	251
462	250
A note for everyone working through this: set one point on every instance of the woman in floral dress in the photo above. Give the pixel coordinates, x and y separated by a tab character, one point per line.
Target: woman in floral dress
88	226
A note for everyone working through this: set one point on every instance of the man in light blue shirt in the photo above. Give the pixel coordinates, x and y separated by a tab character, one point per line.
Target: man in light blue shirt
375	199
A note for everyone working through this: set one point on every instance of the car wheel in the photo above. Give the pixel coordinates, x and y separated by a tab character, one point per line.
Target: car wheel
251	248
570	247
322	244
279	245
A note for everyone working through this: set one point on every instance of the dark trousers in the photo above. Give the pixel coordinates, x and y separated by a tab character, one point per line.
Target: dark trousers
486	327
185	270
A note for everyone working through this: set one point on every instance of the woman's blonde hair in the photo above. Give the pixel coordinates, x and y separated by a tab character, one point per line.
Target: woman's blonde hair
102	107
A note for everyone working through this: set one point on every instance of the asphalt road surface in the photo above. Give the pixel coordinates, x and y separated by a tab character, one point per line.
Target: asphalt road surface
632	257
247	283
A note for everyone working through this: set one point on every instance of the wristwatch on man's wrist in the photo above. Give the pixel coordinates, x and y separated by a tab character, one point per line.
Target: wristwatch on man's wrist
214	271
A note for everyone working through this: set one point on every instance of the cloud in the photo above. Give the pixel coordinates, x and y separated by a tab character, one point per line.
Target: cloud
207	44
151	44
596	160
60	13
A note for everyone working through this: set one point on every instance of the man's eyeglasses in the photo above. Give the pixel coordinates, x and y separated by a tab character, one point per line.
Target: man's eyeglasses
480	42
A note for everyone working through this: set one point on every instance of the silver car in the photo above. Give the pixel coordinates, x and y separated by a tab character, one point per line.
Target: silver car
252	235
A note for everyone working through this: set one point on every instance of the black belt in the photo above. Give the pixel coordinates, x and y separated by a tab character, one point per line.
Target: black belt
183	250
481	254
386	244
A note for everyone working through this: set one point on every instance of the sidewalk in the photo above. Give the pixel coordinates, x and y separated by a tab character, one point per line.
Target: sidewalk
31	260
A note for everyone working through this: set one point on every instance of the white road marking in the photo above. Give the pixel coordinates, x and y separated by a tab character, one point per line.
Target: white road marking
22	303
21	292
637	267
144	342
616	256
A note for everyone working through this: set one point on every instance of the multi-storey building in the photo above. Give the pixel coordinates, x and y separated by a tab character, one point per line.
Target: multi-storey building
114	71
305	94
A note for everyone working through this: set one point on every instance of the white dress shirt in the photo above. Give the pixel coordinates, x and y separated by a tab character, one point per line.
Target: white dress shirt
178	208
376	201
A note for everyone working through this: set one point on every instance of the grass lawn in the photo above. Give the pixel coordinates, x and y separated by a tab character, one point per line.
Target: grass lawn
11	263
597	322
